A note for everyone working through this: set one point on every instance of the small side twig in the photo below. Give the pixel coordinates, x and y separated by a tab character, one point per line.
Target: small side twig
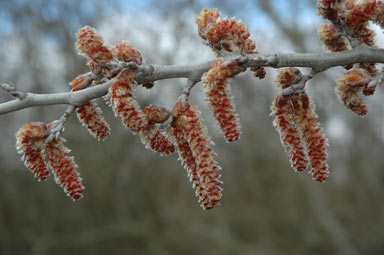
11	89
56	127
301	84
378	80
187	89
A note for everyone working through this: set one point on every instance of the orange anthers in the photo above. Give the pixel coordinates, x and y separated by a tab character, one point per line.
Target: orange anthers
151	136
331	38
127	53
124	104
217	91
30	143
228	35
348	88
64	168
90	44
90	115
287	77
187	120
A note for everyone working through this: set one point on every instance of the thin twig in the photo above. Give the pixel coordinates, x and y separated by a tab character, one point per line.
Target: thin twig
56	127
11	89
301	84
187	89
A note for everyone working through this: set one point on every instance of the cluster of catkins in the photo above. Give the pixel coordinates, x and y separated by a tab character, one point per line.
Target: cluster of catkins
294	116
349	28
295	121
102	61
37	154
225	37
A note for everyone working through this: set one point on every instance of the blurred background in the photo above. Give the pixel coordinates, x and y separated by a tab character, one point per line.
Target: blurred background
137	202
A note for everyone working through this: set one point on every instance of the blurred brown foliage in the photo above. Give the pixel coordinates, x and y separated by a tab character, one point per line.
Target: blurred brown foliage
139	203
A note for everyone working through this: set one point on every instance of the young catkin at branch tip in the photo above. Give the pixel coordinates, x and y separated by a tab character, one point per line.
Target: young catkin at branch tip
90	45
226	35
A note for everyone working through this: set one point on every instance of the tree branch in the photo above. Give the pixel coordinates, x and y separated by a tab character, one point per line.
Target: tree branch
149	73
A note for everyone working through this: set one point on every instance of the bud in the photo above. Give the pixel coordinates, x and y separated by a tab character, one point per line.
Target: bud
194	132
127	53
82	81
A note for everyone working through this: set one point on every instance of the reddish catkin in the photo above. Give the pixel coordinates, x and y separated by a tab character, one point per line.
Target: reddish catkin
64	168
348	88
127	53
90	44
287	77
331	38
313	136
218	93
30	143
189	163
295	121
357	23
228	35
287	128
378	16
151	136
187	119
90	115
123	103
